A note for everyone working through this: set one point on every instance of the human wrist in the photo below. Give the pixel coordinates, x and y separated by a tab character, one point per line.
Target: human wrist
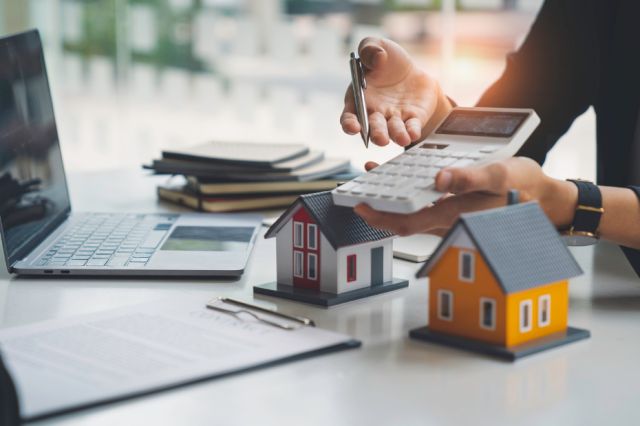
559	200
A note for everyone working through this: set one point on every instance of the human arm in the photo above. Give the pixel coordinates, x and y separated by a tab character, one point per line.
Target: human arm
483	187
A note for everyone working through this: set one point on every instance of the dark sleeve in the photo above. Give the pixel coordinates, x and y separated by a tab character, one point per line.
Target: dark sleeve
9	414
554	72
633	256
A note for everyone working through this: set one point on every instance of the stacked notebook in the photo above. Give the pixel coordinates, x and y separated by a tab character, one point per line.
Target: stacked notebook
224	176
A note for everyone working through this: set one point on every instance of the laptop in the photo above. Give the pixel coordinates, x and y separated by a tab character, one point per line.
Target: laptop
42	236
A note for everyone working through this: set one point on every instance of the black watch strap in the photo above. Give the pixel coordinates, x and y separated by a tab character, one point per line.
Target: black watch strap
589	209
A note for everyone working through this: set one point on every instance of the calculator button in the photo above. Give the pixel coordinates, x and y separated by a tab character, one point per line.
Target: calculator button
475	155
425	184
463	163
457	154
489	149
445	162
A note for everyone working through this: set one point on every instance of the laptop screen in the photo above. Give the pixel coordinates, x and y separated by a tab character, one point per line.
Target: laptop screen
33	190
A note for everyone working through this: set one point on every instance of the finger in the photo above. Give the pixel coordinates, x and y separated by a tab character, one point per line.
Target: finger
371	52
369	165
349	123
414	128
399	224
491	178
348	119
398	131
377	53
444	214
378	129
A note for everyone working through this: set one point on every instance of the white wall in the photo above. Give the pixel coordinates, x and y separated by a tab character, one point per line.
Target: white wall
328	265
284	254
363	275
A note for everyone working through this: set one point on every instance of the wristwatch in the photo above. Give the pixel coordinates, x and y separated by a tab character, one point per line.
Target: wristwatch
584	228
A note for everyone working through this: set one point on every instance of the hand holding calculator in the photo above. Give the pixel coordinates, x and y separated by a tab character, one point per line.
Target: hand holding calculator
467	136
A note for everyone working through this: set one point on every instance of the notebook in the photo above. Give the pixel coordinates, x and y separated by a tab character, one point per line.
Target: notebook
180	194
240	153
193	167
213	187
68	364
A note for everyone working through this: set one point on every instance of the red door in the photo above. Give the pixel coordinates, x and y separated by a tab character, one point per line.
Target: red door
306	251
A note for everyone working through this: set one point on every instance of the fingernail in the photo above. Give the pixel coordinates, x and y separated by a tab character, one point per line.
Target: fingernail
444	181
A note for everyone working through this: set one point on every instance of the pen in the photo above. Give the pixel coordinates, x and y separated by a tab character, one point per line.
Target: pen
358	85
300	320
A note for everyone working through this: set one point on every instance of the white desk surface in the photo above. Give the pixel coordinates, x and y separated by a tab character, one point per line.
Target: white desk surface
391	379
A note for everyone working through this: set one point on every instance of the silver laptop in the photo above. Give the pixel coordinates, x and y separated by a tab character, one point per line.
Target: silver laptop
40	234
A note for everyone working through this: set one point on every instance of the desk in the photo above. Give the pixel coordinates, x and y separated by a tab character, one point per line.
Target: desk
391	380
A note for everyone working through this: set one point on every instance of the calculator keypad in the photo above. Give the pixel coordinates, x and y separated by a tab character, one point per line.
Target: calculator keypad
408	178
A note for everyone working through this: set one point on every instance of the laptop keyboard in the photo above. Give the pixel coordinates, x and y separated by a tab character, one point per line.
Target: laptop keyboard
115	240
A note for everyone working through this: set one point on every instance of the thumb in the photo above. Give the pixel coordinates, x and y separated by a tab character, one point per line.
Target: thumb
385	61
488	178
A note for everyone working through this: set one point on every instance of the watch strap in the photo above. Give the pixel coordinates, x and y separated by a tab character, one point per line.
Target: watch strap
589	209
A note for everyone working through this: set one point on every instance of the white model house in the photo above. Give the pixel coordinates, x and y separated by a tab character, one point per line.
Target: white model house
329	248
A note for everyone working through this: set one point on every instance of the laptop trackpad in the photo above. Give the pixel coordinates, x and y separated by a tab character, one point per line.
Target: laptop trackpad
193	244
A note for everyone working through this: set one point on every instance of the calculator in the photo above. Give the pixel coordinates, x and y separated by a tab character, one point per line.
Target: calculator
465	137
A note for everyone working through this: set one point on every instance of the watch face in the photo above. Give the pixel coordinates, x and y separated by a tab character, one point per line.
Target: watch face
579	239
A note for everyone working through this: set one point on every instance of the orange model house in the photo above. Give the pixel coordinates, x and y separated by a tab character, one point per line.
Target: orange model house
498	284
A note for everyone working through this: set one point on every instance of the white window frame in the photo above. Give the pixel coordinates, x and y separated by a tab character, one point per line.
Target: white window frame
521	327
300	226
439	305
484	300
315	262
312	228
541	300
461	277
298	255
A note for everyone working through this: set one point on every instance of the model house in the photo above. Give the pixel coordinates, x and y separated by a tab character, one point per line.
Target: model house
329	249
500	277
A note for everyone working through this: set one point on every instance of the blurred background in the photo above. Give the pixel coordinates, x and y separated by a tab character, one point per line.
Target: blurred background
131	77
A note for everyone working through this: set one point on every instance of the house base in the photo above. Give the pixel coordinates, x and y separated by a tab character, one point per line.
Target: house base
512	353
321	298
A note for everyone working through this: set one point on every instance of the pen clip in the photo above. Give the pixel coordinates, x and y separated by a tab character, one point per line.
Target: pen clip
363	81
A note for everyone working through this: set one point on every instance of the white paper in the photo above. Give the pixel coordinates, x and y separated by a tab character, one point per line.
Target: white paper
72	362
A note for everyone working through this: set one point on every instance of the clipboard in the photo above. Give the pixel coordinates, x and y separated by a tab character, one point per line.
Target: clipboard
172	320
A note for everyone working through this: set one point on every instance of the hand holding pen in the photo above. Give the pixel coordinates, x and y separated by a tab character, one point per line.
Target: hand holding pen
399	100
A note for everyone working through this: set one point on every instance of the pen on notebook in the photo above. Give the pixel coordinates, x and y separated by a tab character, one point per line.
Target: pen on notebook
300	320
358	85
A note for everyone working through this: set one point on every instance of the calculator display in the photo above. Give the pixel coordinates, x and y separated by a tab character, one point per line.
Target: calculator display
482	123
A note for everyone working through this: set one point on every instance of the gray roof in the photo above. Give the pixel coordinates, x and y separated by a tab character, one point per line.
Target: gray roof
519	244
340	225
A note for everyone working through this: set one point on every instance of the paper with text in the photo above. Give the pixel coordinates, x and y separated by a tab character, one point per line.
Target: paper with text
68	363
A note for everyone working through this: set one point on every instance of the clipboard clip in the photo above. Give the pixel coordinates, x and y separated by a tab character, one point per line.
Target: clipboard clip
238	308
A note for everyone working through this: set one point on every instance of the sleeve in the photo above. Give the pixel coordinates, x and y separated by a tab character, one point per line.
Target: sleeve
633	256
554	72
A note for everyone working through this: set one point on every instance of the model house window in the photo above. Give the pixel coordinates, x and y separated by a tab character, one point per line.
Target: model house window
351	267
487	313
466	266
298	230
445	305
544	310
312	266
312	233
525	316
298	260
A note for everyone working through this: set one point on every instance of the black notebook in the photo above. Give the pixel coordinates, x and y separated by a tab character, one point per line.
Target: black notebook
239	153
